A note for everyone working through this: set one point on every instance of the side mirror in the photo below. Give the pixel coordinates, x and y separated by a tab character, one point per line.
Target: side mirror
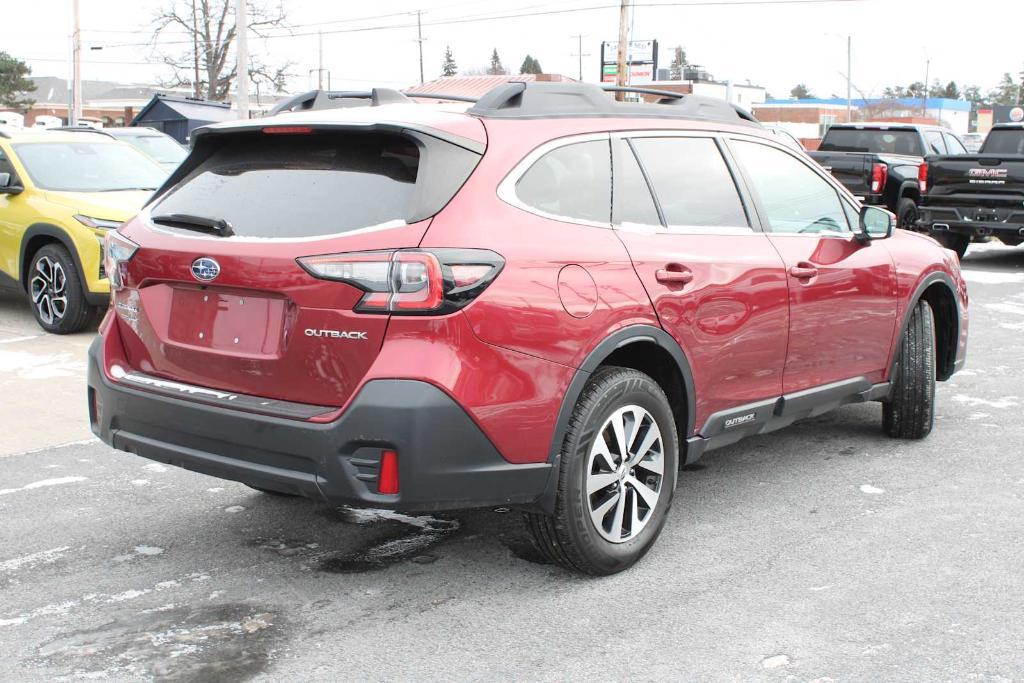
6	187
875	223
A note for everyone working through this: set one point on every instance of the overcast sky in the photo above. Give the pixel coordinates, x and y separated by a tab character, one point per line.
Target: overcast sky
775	43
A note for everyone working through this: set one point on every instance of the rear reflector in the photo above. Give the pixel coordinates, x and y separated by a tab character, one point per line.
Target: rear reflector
287	130
387	480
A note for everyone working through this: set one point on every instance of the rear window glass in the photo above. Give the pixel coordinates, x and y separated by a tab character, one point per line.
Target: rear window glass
574	181
1009	141
318	184
872	141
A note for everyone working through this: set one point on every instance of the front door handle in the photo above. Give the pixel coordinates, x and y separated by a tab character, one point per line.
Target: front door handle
803	271
674	277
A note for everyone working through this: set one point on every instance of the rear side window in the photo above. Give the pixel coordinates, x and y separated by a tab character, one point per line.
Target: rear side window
691	182
319	184
574	181
935	143
953	145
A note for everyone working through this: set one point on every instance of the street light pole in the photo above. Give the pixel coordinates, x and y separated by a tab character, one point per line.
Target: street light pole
76	68
419	39
849	78
242	69
924	95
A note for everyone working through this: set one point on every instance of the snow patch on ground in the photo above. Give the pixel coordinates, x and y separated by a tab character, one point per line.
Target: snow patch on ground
373	515
43	484
234	509
974	402
34	560
140	482
988	277
37	366
154	467
775	661
148	550
868	488
978	416
1010	307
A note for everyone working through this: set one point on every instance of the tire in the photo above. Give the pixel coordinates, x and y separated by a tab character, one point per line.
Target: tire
55	289
570	536
909	413
958	243
906	214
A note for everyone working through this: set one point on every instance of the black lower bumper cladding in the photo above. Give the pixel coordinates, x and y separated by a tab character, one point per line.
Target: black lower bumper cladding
445	461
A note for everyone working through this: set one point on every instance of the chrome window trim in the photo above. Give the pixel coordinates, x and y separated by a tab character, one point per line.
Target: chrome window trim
507	187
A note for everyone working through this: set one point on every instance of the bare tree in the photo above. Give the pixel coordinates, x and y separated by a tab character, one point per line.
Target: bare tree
210	37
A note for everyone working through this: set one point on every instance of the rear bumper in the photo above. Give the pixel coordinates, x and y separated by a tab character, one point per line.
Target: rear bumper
445	461
966	221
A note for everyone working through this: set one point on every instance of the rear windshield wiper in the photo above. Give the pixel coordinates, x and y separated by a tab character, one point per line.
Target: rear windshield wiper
218	226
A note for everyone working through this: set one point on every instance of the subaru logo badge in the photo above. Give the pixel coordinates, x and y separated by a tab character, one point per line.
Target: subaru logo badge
205	269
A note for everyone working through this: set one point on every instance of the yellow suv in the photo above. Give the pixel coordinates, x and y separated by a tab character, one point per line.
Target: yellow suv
60	193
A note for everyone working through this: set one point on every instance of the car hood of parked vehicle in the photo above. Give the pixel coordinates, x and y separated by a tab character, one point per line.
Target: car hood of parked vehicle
118	205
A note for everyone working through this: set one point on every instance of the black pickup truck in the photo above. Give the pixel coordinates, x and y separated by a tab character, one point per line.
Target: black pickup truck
979	196
879	162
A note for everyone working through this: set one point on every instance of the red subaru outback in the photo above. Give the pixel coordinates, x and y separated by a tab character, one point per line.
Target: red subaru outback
550	300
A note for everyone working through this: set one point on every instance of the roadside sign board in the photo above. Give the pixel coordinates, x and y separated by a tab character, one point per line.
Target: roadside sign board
641	57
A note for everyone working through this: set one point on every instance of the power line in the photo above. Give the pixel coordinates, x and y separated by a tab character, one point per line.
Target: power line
468	20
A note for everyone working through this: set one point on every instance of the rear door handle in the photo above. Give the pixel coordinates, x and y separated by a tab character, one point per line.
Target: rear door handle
803	271
674	277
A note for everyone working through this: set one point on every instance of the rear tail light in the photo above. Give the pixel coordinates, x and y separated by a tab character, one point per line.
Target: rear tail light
922	177
387	478
119	251
410	281
879	176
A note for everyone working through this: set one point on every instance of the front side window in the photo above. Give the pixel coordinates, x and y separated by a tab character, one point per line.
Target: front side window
573	181
796	199
691	182
89	167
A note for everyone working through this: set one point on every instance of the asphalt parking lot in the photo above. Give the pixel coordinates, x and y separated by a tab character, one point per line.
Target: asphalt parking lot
822	552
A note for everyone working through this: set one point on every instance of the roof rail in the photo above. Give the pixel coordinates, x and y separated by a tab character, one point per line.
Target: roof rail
564	99
81	129
338	99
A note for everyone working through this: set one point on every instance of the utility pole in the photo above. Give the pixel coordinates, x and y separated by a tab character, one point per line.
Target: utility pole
195	52
419	39
76	68
579	52
621	58
242	69
320	63
849	79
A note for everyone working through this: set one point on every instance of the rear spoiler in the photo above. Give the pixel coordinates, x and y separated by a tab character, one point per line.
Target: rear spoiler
203	139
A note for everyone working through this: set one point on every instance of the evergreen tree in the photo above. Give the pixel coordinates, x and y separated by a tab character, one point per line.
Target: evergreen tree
448	66
530	66
15	83
496	68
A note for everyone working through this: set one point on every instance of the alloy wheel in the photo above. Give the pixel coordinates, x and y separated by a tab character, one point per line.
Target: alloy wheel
625	473
48	289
